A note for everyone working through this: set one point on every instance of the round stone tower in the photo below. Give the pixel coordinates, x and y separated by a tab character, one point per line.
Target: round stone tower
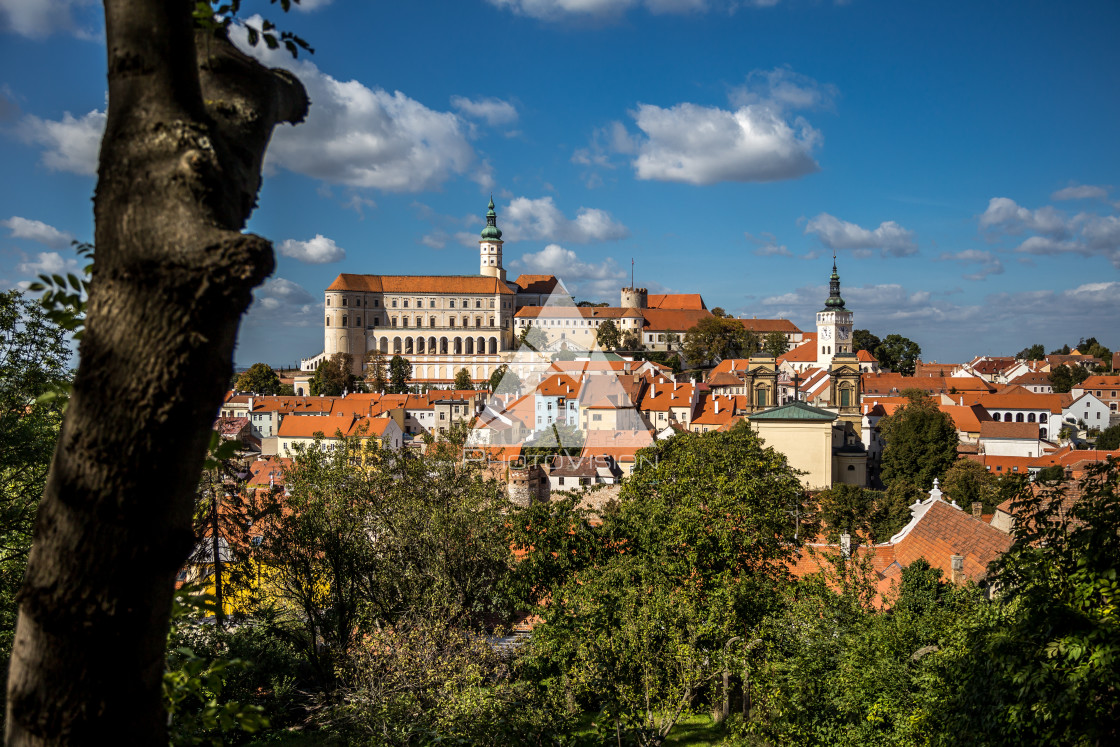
634	298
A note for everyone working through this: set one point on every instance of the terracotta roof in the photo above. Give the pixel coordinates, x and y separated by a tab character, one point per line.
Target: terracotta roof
558	386
724	378
945	531
1031	378
1000	465
675	301
995	429
307	427
763	326
536	283
1100	382
804	353
618	444
935	369
865	356
1055	403
405	284
706	409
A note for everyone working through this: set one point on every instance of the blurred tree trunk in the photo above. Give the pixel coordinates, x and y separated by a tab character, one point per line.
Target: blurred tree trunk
189	118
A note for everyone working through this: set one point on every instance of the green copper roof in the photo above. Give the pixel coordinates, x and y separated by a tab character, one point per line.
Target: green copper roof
834	302
491	232
794	411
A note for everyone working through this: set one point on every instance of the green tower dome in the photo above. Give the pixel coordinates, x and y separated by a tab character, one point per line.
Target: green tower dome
492	232
834	301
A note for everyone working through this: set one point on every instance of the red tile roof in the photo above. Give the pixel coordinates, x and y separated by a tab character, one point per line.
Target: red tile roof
536	283
405	284
675	301
763	326
945	531
995	429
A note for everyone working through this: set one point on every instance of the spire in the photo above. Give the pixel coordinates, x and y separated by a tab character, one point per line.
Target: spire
834	302
491	232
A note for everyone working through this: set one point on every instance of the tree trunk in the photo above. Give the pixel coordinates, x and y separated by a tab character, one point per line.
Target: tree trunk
189	118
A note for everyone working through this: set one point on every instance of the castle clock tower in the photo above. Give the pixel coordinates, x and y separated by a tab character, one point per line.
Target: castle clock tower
834	323
490	247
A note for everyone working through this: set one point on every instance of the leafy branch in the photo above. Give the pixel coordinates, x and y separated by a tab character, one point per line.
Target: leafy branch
215	15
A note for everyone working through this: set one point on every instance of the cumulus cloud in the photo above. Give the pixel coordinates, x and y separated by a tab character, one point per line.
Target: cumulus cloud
38	231
1054	232
768	245
309	5
365	137
317	251
889	238
1081	192
46	263
989	263
586	279
704	145
39	19
491	110
528	219
69	144
281	302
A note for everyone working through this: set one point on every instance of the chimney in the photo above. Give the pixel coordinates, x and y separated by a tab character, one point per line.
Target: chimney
977	509
717	405
957	562
846	545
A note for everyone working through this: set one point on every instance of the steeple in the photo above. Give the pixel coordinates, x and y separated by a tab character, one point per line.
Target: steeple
491	232
490	246
834	301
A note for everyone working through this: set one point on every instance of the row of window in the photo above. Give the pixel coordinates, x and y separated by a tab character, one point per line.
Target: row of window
419	303
450	322
1019	418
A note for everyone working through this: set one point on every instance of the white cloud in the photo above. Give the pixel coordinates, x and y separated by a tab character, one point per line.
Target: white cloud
492	110
704	145
310	5
70	144
46	263
317	251
365	137
39	19
280	301
589	280
890	238
783	90
528	219
1081	192
38	231
989	263
1007	215
1055	233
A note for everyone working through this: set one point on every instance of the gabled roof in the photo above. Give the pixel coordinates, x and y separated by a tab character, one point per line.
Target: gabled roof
866	357
944	531
405	284
1100	382
536	283
1055	403
307	427
673	320
675	301
806	352
996	429
794	411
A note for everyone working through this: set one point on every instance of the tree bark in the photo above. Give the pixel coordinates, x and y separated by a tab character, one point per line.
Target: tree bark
189	118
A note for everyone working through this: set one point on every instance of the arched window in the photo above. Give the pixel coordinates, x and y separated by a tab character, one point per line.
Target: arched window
1030	417
458	346
1042	418
343	321
1018	417
396	346
493	346
328	321
470	346
1007	417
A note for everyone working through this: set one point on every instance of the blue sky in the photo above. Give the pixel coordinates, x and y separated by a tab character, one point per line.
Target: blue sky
961	159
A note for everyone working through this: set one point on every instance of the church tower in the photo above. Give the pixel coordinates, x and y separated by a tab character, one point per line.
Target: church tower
834	324
490	247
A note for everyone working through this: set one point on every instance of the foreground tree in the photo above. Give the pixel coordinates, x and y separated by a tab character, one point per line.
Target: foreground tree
33	357
862	339
1063	378
533	337
376	377
188	121
920	441
504	380
1032	353
872	515
968	482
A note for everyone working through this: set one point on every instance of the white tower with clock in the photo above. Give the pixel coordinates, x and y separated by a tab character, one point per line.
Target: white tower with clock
834	324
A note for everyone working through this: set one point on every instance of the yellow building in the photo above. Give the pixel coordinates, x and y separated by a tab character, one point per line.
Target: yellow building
815	442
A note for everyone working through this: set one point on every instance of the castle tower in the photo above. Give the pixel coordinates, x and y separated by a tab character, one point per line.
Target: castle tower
834	323
634	298
490	247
